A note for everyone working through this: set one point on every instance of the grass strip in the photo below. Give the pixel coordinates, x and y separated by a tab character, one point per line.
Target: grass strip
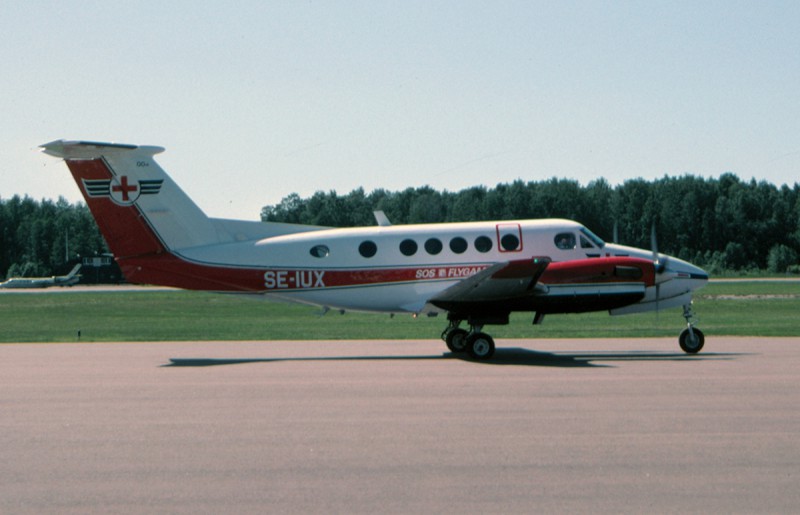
734	309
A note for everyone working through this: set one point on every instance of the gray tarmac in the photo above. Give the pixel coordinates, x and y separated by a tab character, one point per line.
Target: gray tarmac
549	426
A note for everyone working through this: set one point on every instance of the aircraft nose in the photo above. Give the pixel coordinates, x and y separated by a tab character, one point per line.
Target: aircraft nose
694	275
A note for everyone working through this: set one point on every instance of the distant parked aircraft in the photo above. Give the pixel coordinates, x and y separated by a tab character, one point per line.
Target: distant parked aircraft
43	282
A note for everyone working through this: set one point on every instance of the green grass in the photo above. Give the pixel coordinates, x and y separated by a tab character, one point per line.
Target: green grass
735	308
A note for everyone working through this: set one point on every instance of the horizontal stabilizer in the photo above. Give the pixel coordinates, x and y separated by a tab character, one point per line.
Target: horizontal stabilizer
92	149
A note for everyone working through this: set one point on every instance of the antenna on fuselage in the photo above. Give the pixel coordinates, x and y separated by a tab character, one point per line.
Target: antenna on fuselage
381	218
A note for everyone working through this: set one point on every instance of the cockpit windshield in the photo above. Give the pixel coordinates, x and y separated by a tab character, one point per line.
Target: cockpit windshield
593	237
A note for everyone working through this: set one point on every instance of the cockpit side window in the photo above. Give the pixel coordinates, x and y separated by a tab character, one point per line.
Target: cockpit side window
585	243
565	241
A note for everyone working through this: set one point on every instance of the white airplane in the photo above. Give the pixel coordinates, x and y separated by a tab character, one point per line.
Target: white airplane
43	282
475	272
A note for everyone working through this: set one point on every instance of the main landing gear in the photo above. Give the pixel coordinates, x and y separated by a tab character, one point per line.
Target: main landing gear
691	339
480	346
476	343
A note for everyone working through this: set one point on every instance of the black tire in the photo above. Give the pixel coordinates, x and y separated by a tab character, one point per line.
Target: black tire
691	345
456	340
480	346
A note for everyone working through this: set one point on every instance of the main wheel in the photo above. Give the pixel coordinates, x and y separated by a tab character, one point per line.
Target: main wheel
480	346
692	341
456	340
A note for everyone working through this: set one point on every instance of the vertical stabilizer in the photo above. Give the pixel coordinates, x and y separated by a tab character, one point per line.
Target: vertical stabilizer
138	207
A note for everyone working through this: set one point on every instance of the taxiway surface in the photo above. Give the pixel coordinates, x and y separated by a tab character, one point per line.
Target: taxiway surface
622	426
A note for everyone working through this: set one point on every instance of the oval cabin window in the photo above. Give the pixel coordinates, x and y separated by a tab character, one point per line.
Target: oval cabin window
509	242
320	251
458	245
483	244
408	247
368	249
433	246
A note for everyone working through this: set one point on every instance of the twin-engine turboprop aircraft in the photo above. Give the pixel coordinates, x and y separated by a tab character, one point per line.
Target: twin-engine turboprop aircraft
476	272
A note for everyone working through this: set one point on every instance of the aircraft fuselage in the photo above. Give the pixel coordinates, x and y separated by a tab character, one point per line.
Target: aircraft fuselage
477	272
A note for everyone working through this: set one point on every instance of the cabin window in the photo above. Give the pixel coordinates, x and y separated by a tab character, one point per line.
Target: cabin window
509	242
565	241
408	247
320	251
483	244
367	249
458	245
433	246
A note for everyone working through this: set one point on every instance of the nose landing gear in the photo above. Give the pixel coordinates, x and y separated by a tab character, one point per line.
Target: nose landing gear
691	339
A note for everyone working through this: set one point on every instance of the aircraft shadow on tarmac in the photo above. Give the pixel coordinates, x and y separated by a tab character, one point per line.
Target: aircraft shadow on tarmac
506	356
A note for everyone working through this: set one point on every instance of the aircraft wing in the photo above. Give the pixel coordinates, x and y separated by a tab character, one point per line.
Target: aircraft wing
509	280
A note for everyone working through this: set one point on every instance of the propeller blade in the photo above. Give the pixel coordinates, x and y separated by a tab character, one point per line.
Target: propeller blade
654	242
659	261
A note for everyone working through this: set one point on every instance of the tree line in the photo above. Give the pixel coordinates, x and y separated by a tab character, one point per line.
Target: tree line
723	224
44	238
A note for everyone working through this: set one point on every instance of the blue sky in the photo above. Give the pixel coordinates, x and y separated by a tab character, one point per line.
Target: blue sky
257	100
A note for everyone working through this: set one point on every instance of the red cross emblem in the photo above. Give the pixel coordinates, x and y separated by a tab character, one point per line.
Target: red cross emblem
122	192
125	188
119	190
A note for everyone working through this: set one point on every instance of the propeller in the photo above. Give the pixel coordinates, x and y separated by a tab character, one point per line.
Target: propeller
659	263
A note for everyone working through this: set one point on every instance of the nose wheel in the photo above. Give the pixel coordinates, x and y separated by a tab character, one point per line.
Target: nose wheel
691	339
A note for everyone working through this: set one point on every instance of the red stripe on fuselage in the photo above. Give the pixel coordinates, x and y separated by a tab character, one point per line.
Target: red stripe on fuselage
171	270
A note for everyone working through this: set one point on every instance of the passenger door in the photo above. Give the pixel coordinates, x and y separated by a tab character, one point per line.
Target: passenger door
509	237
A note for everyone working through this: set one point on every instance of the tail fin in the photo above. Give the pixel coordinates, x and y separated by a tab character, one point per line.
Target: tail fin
147	220
74	271
138	208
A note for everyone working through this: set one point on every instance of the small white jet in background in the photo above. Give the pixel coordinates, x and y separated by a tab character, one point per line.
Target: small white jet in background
43	282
